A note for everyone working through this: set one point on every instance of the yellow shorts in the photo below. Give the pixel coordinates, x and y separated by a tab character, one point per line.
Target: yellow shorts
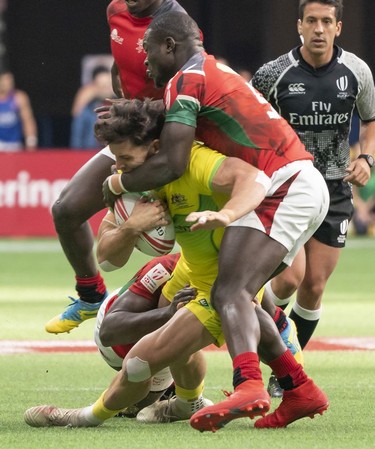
201	305
202	279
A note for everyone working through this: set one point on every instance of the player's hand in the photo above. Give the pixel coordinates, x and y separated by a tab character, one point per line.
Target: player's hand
208	220
112	189
147	215
359	173
181	298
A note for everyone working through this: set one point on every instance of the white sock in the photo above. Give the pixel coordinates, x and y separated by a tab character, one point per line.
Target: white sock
188	405
275	299
309	315
88	415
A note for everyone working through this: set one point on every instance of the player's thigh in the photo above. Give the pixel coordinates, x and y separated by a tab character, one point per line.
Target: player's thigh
247	259
83	193
180	337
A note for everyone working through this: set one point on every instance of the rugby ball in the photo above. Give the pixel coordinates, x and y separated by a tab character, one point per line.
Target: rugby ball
158	241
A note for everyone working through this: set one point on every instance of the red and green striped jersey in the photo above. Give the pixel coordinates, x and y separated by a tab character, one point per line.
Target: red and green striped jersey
230	116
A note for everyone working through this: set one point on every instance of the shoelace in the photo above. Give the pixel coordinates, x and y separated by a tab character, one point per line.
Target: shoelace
227	393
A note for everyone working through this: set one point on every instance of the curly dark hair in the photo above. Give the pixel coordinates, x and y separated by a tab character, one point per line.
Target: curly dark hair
338	4
139	121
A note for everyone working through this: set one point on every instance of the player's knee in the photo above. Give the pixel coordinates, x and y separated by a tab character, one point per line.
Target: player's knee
61	211
66	215
138	370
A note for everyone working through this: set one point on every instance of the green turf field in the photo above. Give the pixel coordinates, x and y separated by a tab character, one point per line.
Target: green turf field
35	281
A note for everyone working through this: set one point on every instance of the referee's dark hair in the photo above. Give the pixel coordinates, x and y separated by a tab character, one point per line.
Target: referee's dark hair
338	4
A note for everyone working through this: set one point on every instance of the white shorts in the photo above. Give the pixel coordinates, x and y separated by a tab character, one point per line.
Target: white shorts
160	381
293	209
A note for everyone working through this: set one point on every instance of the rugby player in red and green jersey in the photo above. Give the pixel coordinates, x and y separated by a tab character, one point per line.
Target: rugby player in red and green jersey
81	198
208	101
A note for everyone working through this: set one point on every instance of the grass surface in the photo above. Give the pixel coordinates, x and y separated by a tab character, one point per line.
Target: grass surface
35	281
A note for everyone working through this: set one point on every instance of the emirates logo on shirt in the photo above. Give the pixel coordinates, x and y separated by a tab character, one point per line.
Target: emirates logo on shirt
115	37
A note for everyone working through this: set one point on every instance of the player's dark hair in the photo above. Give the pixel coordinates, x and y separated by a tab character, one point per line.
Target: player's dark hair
175	24
138	121
338	4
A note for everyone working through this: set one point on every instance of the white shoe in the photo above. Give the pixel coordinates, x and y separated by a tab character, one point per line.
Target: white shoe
171	410
49	415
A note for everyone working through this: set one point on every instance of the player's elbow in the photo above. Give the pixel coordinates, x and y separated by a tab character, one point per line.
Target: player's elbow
106	334
105	265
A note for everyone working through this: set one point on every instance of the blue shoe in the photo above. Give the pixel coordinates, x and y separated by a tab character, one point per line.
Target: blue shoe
289	336
77	312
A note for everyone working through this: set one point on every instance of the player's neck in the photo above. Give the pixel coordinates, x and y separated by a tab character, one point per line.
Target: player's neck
316	60
151	9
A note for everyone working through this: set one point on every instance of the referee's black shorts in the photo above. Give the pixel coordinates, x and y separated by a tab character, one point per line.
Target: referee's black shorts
334	229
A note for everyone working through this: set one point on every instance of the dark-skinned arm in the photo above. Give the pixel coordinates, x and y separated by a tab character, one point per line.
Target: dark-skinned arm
167	165
131	316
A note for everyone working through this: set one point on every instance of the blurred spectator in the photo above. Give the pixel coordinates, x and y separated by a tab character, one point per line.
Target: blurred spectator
18	128
89	97
245	73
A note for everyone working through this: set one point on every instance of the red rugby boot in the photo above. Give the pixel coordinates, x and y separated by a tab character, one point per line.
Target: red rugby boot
249	399
304	401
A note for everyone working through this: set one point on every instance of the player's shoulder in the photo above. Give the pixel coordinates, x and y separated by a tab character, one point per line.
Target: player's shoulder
169	5
354	63
116	7
269	73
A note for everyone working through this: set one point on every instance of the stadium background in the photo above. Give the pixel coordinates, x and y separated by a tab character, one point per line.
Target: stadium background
43	42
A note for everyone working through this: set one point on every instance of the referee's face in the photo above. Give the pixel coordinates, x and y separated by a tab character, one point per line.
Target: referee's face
319	28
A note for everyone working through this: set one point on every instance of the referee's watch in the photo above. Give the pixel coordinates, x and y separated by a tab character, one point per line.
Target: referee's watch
369	159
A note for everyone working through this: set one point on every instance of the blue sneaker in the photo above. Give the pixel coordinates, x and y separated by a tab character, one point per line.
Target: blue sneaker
76	312
289	336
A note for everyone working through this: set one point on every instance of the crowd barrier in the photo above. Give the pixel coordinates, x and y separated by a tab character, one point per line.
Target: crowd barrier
29	185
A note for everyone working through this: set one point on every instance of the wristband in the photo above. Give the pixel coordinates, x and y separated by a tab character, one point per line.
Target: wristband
31	141
116	179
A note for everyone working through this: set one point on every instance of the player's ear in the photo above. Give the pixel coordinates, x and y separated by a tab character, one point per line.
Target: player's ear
299	27
154	147
171	44
338	28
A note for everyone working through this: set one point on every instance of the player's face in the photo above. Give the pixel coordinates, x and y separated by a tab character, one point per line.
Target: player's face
319	28
159	60
130	156
142	8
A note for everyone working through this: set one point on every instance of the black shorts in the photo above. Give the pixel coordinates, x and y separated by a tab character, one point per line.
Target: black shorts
334	229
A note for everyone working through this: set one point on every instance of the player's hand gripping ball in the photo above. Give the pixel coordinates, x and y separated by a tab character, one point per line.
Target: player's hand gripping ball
158	241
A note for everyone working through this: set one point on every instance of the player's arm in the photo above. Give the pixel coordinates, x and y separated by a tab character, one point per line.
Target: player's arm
116	242
167	165
247	187
116	81
359	171
29	127
131	316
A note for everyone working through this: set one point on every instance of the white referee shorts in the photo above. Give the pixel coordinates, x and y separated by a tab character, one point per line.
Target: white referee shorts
160	381
295	206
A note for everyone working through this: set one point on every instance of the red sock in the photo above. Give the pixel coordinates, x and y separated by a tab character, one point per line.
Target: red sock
91	289
288	371
246	367
280	319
